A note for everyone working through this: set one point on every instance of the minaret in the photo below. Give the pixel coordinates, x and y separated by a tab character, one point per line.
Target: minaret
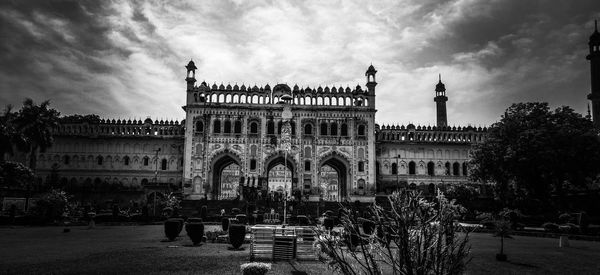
440	102
371	83
594	58
191	75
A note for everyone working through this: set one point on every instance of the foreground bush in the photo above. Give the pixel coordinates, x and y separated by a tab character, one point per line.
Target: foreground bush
237	232
195	230
255	268
413	237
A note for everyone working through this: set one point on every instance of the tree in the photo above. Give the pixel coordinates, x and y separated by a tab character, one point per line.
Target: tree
411	236
533	151
9	135
15	175
35	123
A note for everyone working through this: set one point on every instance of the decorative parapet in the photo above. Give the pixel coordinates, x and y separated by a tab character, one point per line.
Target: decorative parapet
429	134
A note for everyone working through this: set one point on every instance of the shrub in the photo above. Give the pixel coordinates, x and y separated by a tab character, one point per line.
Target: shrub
195	231
235	211
424	231
255	268
551	227
225	224
565	218
172	229
237	232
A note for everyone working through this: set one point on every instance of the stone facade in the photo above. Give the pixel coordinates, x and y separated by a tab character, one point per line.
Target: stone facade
232	135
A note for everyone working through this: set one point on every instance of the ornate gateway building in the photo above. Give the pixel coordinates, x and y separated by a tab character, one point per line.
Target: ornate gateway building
310	142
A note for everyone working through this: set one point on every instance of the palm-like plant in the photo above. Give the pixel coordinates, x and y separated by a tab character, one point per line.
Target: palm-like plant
35	123
9	135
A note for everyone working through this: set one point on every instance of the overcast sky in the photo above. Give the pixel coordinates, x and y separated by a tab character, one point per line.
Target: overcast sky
125	59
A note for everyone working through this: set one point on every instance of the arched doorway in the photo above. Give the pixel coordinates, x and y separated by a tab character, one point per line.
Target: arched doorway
340	165
224	166
281	171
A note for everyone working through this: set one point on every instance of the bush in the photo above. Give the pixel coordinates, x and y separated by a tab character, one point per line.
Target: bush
225	224
302	220
195	231
565	218
255	268
235	211
172	229
551	227
237	233
424	231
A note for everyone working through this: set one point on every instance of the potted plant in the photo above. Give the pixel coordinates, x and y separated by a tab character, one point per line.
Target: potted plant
195	230
237	233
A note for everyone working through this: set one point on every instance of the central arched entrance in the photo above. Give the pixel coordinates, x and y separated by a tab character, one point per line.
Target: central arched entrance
281	172
225	175
340	165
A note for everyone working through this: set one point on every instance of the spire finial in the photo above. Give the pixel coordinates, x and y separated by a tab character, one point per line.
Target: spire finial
440	76
596	25
589	114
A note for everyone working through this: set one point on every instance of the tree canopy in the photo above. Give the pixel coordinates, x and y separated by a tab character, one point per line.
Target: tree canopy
534	151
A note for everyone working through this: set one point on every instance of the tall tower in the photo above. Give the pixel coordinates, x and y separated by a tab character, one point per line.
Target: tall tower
440	102
191	75
371	83
594	58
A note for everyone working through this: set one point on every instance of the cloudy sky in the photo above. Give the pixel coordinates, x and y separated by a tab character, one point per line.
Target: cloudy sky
124	59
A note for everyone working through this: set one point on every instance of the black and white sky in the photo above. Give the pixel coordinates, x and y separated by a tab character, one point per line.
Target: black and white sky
125	59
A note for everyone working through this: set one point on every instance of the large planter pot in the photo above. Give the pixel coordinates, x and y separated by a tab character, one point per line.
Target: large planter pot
225	224
181	223
237	232
195	231
501	257
241	218
328	223
172	229
368	227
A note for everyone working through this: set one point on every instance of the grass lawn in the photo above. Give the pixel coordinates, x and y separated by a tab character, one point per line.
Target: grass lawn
138	249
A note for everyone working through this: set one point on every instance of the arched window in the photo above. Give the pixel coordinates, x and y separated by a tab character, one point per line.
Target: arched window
361	153
146	160
279	125
394	169
270	127
411	168
66	160
447	168
344	130
163	164
308	129
237	127
307	165
217	126
144	181
252	164
253	128
100	160
307	152
334	129
361	130
431	189
361	166
227	127
431	168
465	169
126	160
456	169
323	129
199	127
